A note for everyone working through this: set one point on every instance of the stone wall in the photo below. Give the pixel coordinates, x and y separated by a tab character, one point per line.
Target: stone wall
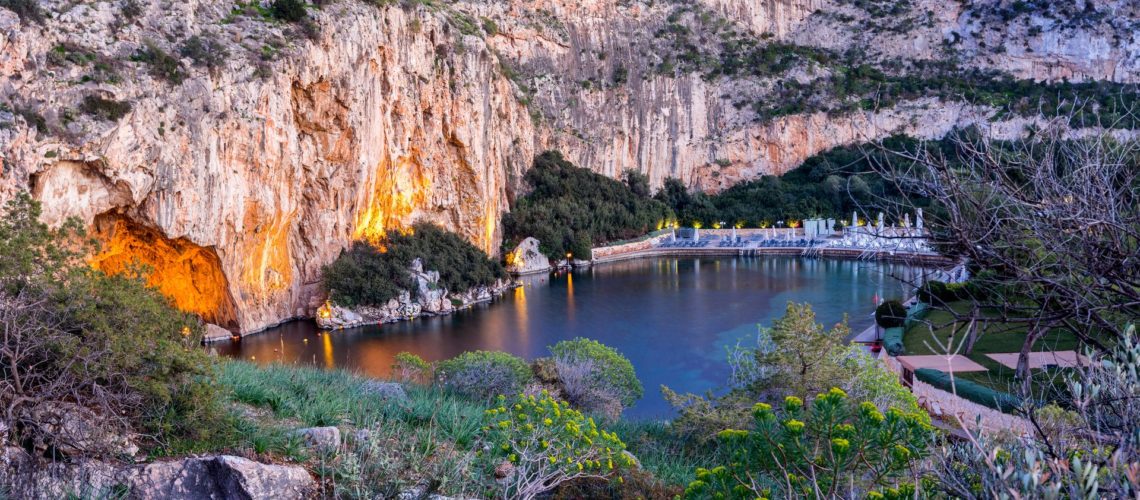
604	254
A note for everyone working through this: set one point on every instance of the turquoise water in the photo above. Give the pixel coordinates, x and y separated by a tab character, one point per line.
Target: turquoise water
673	318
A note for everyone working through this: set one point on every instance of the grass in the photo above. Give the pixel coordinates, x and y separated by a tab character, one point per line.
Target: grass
994	338
432	437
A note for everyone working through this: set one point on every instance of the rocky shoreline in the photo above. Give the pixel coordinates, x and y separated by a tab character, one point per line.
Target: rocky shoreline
431	299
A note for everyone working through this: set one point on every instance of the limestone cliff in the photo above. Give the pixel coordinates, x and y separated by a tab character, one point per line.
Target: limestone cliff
236	154
270	163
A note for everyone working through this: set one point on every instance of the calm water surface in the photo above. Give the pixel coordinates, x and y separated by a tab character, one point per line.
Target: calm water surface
673	318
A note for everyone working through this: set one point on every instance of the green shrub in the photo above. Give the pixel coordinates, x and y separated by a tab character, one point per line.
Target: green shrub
890	314
836	447
932	292
131	9
162	65
484	374
366	275
106	109
490	27
571	209
593	374
547	443
410	368
205	51
985	396
290	11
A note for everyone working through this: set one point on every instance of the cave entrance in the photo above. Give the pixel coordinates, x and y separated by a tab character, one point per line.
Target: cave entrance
189	274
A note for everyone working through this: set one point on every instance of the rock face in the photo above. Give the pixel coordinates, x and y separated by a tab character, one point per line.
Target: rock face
526	258
242	172
187	479
389	116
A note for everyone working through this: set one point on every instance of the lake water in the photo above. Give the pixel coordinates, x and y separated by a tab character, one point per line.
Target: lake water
673	318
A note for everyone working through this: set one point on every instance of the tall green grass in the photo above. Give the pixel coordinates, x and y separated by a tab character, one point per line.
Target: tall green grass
431	437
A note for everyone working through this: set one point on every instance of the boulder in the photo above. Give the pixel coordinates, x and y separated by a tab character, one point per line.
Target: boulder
325	438
73	430
215	333
333	317
25	478
218	477
527	259
386	390
242	478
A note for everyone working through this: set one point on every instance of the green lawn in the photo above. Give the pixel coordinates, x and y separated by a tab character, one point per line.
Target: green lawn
994	338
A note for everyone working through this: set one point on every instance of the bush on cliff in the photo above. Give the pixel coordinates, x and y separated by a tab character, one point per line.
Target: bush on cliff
372	274
572	209
72	335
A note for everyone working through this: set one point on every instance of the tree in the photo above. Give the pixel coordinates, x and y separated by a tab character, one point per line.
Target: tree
571	209
1055	220
797	356
637	182
804	350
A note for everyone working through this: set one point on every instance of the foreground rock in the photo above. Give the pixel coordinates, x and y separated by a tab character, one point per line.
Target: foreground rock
70	430
527	259
324	438
220	477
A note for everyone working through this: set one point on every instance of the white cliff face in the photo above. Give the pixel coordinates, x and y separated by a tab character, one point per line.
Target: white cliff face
238	183
387	118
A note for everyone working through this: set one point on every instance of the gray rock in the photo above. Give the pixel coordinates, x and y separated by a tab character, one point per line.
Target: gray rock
215	333
386	390
527	259
75	431
326	438
221	477
418	492
243	478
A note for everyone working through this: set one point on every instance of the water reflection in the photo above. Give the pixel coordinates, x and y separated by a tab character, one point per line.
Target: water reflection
673	317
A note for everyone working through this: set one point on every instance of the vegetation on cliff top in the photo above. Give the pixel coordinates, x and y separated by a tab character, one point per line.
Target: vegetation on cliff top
571	209
373	273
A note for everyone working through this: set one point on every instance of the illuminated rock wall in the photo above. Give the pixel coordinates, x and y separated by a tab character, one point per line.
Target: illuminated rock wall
191	276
